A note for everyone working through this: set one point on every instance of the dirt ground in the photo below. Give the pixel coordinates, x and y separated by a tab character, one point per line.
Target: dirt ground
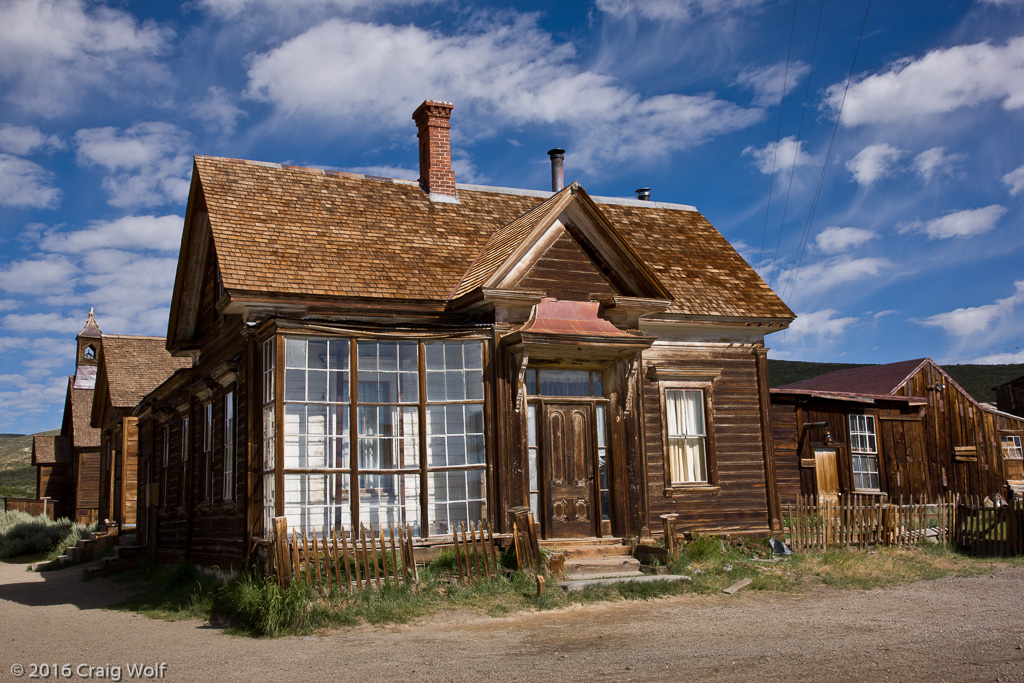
950	629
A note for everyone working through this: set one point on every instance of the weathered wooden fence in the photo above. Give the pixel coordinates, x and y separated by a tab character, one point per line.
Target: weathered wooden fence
990	530
860	521
32	506
358	559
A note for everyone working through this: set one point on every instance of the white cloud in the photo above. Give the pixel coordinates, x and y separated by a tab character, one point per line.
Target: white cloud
960	223
874	162
42	322
48	273
226	9
672	10
1016	4
145	232
391	172
9	304
835	272
820	323
22	140
833	239
217	111
148	163
1015	180
26	184
767	81
935	162
499	73
981	320
779	157
939	82
51	51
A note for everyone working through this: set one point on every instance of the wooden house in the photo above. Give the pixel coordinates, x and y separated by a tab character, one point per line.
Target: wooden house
68	463
904	429
1010	396
128	368
373	351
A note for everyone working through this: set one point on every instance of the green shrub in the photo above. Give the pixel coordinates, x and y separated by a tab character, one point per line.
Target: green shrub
23	534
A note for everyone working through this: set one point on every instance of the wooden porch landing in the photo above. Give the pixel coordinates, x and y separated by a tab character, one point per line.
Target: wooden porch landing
589	559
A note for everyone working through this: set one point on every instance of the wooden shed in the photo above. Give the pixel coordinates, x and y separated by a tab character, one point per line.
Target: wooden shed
375	351
903	429
1010	396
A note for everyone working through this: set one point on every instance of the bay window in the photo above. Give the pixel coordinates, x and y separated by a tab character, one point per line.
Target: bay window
377	432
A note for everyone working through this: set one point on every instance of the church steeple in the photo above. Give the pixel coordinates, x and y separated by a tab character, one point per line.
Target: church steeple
87	358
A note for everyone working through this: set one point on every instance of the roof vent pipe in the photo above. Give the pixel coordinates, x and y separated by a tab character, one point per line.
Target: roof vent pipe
557	169
643	194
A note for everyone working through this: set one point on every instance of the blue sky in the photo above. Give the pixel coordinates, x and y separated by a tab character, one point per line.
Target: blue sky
907	243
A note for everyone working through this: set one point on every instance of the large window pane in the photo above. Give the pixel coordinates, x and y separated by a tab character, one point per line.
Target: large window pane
390	499
685	427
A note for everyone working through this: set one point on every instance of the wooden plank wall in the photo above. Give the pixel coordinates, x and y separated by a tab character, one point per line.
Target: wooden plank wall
785	432
213	531
567	273
130	472
963	442
739	504
88	485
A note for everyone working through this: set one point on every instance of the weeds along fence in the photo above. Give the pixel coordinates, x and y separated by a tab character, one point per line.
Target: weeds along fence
861	521
990	530
980	527
363	558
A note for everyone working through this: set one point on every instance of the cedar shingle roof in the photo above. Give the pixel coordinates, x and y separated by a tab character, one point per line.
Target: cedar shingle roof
294	231
870	380
51	450
135	366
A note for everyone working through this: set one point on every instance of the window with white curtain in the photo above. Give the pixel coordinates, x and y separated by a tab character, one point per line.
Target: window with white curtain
686	436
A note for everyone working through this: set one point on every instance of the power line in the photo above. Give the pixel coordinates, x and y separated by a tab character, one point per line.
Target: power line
802	244
778	136
799	137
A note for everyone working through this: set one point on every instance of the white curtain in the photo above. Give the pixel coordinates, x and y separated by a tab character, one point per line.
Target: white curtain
686	435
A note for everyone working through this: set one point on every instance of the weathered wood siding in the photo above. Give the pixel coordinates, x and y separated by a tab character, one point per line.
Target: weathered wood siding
56	483
785	431
130	472
88	485
566	272
738	501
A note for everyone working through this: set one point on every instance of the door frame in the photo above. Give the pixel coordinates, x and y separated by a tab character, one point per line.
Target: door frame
599	527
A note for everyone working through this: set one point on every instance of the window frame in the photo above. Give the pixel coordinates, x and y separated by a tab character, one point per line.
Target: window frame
275	365
208	451
229	454
1015	451
165	463
702	381
184	481
854	438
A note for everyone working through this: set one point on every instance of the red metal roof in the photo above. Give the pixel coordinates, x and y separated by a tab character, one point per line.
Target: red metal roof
872	380
552	316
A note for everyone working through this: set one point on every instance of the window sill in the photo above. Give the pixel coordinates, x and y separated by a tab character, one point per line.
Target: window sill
868	492
682	489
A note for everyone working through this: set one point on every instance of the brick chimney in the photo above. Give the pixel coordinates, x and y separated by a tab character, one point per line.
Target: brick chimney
436	176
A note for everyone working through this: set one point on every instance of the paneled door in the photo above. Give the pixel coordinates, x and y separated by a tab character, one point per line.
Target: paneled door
569	468
827	475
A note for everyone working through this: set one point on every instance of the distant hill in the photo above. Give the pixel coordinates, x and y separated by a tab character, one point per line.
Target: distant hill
977	380
17	475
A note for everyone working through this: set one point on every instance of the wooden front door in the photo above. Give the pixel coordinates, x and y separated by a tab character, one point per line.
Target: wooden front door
569	468
826	475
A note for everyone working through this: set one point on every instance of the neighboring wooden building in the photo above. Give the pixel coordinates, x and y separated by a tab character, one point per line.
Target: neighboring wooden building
128	368
1010	397
374	351
69	462
904	429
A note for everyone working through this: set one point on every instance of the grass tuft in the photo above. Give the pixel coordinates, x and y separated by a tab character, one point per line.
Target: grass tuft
24	534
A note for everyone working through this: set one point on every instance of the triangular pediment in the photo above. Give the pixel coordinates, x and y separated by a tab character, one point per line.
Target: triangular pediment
565	247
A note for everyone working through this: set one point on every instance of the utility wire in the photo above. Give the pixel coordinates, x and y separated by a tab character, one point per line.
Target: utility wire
802	245
796	150
778	136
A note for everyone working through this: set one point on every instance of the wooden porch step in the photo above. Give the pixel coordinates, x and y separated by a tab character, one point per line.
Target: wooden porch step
580	583
592	567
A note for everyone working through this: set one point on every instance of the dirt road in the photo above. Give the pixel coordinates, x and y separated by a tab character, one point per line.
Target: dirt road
950	629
